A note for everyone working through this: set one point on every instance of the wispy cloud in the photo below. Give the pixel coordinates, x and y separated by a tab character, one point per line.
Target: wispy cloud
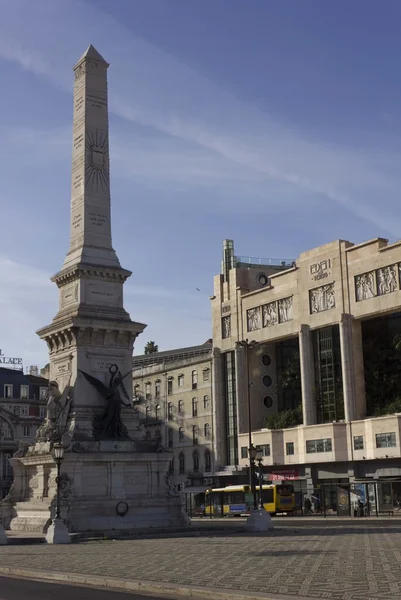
196	110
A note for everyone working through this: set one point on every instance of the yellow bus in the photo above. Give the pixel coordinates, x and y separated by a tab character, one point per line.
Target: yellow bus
238	499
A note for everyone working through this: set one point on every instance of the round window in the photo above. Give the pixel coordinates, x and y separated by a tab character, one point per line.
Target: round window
263	279
267	380
268	401
266	360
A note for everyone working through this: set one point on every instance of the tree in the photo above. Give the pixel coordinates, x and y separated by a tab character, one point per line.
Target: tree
151	348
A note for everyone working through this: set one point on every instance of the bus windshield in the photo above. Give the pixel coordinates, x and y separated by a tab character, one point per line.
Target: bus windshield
285	489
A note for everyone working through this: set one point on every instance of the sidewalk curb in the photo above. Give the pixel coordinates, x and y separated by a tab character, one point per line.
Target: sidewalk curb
146	587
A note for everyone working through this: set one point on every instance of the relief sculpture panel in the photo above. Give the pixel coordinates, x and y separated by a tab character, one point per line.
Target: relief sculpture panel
387	280
270	314
365	286
285	310
322	298
226	327
253	318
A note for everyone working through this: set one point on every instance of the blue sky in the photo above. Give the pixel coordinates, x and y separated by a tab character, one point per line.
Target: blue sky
276	124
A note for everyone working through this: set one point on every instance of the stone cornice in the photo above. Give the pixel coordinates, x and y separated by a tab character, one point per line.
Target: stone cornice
84	270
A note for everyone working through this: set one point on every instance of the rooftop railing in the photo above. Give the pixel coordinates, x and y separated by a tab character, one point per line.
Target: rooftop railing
275	262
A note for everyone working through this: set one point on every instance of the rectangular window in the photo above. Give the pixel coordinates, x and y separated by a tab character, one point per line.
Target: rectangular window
358	442
386	440
42	412
266	449
8	390
24	392
315	446
244	452
24	411
43	393
289	448
169	386
26	430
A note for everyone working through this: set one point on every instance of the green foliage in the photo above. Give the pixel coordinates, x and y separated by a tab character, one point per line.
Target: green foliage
389	409
284	419
151	348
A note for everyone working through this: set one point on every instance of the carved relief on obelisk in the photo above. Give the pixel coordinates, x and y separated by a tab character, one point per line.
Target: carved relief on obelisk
90	239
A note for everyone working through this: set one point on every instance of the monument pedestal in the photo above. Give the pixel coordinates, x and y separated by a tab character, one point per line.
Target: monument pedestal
57	533
107	486
259	520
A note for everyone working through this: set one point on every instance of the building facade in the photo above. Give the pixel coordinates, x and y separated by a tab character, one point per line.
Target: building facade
23	400
313	331
173	394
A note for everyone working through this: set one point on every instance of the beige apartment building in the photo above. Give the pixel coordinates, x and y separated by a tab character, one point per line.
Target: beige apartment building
327	315
173	394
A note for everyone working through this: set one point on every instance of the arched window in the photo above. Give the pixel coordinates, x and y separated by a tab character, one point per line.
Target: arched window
180	380
147	410
195	435
170	411
194	379
181	459
206	402
157	411
206	374
147	390
207	431
194	407
136	390
181	407
181	434
157	388
208	461
195	461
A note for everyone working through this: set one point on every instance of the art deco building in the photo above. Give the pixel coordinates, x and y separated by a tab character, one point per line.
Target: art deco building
23	401
322	323
173	394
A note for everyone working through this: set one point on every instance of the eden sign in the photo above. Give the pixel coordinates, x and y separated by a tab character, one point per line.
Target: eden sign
320	270
6	360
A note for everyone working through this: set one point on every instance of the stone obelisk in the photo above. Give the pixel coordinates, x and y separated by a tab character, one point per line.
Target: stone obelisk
113	479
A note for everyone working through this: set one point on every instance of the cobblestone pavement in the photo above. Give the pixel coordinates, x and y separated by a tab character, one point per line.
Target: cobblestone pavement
333	561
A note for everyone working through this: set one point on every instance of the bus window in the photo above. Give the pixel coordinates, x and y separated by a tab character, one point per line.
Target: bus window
285	489
268	496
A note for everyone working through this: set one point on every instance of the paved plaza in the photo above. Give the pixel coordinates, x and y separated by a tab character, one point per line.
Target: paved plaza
321	559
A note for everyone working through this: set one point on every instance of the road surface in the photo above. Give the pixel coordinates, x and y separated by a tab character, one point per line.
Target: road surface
22	589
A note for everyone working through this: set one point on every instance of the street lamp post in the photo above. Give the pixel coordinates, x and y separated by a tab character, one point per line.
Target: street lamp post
58	457
58	532
252	451
259	519
248	345
259	459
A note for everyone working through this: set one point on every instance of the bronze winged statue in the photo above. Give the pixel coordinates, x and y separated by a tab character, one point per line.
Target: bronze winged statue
108	425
